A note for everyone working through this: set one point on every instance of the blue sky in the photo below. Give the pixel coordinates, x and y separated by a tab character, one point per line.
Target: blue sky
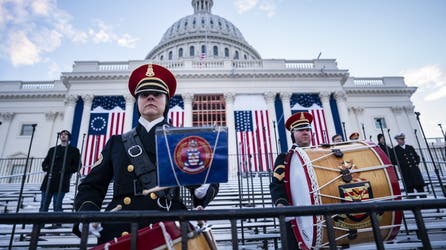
41	38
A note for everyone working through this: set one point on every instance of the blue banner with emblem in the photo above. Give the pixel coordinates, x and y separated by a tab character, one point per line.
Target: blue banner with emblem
191	156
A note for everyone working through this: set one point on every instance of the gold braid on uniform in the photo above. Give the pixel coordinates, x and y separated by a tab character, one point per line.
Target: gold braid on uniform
279	172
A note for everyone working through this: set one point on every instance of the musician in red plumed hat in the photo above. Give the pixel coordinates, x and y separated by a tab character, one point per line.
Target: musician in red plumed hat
129	160
299	124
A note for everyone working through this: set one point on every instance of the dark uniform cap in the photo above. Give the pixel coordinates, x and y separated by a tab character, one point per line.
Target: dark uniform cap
354	135
152	77
298	121
400	136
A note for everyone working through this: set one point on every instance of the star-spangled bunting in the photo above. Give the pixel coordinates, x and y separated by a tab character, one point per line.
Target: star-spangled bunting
312	103
106	119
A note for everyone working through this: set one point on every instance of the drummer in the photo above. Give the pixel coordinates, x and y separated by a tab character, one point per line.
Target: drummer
133	177
299	125
354	136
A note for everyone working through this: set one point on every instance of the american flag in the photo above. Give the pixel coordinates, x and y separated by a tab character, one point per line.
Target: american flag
176	111
253	135
311	103
106	119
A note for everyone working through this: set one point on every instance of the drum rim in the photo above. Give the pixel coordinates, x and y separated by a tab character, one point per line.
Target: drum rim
316	229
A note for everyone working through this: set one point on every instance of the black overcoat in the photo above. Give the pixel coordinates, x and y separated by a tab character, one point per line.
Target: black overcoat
71	166
408	160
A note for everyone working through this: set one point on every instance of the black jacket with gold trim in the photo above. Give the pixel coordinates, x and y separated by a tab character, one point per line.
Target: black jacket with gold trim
277	186
114	167
409	161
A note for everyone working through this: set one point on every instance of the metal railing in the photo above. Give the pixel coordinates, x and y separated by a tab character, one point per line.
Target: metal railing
232	215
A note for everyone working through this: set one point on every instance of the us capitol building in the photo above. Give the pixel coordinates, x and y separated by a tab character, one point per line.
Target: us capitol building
222	80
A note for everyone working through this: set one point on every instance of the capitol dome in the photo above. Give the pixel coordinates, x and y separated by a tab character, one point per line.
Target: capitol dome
203	35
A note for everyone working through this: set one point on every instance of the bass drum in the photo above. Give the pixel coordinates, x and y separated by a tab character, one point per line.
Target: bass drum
161	236
347	172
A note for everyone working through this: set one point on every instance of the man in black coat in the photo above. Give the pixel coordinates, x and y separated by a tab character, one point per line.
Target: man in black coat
59	164
388	150
409	160
299	125
152	85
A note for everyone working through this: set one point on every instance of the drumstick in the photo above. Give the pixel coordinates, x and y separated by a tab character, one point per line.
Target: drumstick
154	189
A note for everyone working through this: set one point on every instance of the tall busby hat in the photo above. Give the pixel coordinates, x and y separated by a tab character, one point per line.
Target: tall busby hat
152	77
298	121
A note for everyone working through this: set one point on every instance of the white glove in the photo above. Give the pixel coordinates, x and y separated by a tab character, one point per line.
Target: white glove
201	191
93	229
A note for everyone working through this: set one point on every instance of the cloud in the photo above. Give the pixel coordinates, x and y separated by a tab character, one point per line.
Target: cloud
53	69
127	41
267	6
430	79
245	5
104	34
29	29
21	50
42	7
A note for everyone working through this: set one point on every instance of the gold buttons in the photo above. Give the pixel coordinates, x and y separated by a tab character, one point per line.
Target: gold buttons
127	200
153	196
130	168
124	233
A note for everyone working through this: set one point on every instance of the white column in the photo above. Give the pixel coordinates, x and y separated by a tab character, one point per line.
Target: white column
187	100
325	99
286	112
229	98
358	113
341	98
407	125
129	106
70	104
88	99
270	98
51	117
409	113
397	114
6	119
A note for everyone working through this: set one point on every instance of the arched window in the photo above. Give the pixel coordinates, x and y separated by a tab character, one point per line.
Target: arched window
226	52
180	52
161	57
191	51
215	51
245	57
170	55
203	50
236	56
